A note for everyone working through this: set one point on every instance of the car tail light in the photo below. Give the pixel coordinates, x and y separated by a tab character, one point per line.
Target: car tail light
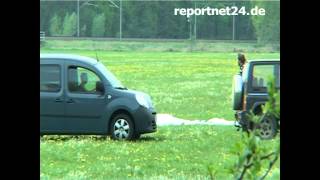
244	105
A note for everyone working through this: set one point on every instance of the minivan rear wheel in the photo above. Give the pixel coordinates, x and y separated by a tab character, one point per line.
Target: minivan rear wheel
122	127
267	127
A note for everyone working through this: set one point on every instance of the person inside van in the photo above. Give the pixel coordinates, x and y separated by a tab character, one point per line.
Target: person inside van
83	82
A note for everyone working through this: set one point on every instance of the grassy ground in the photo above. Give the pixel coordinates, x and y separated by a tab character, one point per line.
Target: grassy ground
180	152
191	85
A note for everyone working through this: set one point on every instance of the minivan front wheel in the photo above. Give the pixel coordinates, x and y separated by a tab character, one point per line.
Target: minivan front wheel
122	127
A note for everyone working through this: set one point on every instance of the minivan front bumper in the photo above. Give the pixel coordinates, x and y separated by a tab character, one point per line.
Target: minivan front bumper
145	120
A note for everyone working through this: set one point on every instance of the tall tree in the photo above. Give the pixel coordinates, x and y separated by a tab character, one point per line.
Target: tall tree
70	25
267	28
154	19
98	26
55	26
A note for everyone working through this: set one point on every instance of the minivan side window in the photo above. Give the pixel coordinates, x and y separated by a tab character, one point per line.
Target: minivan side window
261	74
82	80
50	78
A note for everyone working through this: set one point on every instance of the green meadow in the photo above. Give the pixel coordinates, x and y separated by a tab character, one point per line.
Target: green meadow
187	84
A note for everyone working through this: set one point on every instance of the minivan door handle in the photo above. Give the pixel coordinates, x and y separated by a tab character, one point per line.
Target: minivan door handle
58	100
70	101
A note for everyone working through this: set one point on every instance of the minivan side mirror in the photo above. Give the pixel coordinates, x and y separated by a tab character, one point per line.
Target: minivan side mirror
99	87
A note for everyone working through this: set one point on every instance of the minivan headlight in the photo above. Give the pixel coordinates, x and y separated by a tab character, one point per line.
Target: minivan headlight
142	100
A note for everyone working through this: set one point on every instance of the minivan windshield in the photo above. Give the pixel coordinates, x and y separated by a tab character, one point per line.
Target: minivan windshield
110	77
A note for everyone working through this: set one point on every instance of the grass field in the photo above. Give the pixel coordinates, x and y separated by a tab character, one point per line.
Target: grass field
176	152
190	85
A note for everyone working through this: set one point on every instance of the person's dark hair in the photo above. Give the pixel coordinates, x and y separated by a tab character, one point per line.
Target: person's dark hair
241	59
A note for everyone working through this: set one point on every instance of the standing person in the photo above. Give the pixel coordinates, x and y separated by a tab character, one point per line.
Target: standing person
241	61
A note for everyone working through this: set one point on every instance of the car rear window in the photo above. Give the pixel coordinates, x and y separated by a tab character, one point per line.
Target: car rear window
50	78
261	74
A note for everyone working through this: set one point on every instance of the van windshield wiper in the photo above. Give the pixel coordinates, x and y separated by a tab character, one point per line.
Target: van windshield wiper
122	88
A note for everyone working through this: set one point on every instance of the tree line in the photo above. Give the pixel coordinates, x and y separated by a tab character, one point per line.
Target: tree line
156	19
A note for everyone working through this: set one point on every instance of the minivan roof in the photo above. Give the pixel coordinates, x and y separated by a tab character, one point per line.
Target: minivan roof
72	57
264	60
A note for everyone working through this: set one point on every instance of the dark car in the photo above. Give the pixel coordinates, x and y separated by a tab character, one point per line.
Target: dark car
78	95
250	94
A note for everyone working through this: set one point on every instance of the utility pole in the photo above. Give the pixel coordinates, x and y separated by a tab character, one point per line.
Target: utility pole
195	22
190	31
120	33
233	26
78	9
120	15
78	19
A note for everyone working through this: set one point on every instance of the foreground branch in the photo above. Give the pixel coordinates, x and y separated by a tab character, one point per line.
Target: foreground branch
270	166
245	168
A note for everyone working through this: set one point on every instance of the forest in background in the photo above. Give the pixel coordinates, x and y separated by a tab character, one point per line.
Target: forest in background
156	19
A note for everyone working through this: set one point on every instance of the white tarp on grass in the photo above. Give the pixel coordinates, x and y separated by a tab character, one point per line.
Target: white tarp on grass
167	120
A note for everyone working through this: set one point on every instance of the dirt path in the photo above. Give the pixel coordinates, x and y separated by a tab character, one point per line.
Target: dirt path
169	120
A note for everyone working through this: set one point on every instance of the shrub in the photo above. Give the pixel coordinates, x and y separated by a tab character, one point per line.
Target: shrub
55	26
70	24
98	26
